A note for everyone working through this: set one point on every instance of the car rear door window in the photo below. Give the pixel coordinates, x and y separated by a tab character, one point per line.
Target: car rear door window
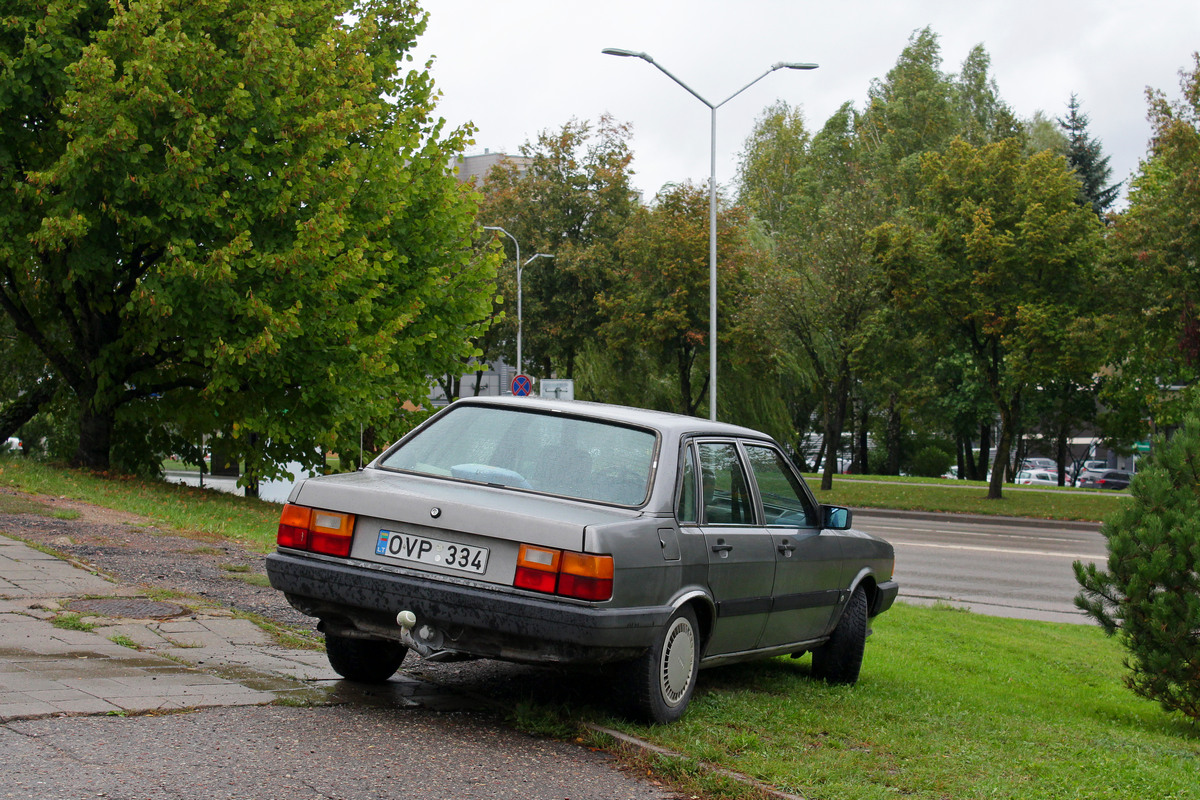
726	493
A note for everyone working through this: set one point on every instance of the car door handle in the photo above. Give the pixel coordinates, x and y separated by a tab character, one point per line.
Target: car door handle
786	549
721	547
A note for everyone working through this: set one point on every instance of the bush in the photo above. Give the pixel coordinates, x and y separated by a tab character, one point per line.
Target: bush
931	462
1150	594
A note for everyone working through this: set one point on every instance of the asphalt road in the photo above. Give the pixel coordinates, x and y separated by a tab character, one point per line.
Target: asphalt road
271	753
999	567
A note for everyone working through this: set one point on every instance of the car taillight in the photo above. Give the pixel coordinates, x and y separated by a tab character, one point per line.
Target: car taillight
537	569
586	577
293	527
326	532
578	575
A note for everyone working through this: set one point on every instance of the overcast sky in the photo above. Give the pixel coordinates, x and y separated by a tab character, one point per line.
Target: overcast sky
516	68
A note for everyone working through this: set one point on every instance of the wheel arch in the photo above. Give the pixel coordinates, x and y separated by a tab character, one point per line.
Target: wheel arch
705	610
870	586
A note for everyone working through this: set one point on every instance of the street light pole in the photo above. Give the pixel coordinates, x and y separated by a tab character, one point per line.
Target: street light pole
520	267
520	325
712	201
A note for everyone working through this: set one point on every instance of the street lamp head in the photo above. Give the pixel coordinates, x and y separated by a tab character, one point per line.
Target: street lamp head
617	51
794	65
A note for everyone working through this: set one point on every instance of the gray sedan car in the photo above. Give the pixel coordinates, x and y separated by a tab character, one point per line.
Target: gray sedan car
577	533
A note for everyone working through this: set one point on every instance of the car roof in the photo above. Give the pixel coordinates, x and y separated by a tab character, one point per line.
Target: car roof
668	423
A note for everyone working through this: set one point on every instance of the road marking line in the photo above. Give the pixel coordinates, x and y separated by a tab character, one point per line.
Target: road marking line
958	532
1001	550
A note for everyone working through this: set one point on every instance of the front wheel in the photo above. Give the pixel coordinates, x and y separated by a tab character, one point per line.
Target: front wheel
364	660
839	660
660	683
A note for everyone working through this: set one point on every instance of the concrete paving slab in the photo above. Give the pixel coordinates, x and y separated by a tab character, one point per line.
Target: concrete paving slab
49	671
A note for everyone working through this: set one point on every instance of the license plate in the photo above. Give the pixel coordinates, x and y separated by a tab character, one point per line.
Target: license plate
425	550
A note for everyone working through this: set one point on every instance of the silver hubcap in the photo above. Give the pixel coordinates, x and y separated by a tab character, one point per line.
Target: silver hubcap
678	661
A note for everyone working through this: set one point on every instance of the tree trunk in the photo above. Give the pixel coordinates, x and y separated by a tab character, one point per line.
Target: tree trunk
95	438
835	416
1061	456
253	471
999	464
1008	417
985	447
894	430
864	454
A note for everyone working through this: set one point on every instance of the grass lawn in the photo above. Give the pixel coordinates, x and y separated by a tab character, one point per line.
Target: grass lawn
174	506
968	497
951	705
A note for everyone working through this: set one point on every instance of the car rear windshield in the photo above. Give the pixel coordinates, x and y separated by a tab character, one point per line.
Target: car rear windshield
567	456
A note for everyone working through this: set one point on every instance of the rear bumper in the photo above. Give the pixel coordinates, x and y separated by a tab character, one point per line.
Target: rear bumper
885	595
357	597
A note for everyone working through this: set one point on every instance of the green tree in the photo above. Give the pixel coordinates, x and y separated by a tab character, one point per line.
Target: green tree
234	216
657	300
913	110
1149	596
814	198
1043	133
570	197
982	116
1085	155
997	255
1154	274
917	108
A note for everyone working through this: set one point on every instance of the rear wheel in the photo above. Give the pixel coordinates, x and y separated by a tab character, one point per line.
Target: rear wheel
660	683
364	660
840	659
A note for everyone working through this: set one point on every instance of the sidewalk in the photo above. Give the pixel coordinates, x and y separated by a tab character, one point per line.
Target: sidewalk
140	655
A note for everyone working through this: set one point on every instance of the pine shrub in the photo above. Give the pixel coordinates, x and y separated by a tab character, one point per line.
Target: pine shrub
1150	594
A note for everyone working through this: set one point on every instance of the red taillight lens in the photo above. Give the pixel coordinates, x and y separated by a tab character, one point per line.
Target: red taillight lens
319	531
586	577
578	575
293	527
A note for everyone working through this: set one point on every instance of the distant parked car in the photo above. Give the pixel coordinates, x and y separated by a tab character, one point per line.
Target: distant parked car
1110	479
1046	464
1029	477
562	532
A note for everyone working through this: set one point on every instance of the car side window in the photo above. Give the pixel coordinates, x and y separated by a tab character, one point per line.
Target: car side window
726	493
783	497
687	509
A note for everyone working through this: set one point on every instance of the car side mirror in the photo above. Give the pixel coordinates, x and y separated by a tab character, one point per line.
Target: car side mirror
835	518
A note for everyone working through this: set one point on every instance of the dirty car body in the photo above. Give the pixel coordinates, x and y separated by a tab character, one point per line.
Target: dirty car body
579	533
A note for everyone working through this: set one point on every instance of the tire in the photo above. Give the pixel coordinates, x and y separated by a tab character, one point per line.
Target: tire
839	660
660	683
364	660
